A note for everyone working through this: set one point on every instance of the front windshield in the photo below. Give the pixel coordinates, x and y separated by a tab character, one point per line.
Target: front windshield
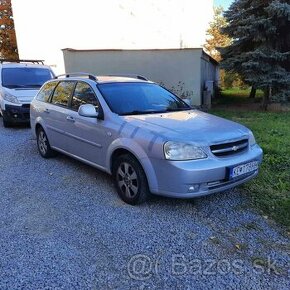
140	98
25	77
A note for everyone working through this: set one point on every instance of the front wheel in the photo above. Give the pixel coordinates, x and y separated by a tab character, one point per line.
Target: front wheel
130	180
6	123
43	144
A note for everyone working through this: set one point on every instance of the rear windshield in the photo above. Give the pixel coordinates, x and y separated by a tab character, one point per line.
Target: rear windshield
140	98
25	77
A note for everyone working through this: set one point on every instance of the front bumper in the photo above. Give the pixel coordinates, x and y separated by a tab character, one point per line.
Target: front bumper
187	179
17	114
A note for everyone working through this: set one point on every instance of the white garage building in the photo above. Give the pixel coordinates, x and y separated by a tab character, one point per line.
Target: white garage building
189	72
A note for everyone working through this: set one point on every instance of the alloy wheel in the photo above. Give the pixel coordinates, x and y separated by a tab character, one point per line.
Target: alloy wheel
42	142
127	180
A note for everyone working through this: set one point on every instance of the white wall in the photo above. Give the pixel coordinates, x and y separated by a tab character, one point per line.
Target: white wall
44	27
178	70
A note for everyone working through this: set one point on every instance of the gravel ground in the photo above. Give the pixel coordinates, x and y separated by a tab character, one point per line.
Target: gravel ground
62	225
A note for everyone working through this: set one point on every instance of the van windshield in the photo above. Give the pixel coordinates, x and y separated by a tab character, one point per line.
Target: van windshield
25	77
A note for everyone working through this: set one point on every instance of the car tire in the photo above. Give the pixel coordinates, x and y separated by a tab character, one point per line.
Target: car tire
6	123
43	144
130	180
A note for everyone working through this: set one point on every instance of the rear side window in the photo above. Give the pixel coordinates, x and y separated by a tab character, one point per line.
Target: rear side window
83	94
44	94
62	93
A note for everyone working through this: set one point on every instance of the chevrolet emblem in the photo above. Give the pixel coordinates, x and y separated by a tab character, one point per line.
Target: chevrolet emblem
235	148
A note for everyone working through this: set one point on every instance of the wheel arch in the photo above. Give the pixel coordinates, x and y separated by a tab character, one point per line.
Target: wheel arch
37	127
38	123
120	147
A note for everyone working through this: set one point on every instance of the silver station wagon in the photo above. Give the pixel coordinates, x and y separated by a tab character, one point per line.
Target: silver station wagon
150	140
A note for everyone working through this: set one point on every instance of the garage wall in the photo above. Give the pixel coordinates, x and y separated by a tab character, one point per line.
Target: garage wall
209	74
177	69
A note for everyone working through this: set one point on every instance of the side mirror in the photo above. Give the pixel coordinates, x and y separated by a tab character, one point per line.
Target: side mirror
88	110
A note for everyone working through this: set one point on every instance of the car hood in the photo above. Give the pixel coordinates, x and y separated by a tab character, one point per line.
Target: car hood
24	95
190	126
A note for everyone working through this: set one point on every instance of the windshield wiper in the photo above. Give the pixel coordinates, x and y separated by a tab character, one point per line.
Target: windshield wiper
13	86
137	112
33	86
22	86
177	109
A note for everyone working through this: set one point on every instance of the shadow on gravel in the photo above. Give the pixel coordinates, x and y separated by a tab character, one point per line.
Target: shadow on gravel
102	177
15	127
93	173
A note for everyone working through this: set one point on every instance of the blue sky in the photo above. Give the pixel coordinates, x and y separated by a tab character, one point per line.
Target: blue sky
224	3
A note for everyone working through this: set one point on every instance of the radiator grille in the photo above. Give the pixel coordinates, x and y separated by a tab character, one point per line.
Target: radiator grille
227	149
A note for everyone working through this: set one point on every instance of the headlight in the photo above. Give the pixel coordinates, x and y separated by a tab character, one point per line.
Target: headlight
252	140
10	98
182	151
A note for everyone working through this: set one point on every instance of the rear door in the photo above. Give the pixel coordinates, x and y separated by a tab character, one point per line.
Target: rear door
41	102
56	120
87	135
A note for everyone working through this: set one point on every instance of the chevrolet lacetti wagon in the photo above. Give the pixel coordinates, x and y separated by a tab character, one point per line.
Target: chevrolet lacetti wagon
150	140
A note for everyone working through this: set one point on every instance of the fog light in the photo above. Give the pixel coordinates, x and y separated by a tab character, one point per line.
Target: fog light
193	188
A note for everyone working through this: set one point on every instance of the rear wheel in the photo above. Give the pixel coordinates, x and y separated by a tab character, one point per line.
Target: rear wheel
130	180
43	144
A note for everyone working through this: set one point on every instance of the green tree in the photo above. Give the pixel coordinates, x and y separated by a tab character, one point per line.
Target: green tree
215	37
260	50
8	44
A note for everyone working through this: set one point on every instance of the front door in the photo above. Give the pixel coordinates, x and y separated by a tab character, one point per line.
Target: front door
88	136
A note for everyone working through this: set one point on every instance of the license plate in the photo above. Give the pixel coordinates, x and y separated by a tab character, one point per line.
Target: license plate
243	169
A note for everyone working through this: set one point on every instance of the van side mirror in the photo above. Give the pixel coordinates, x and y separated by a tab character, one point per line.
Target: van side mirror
88	110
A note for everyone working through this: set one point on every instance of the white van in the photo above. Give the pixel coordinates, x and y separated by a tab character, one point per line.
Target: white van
19	83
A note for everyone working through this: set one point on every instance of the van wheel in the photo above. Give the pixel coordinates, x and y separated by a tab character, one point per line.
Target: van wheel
130	180
6	124
43	144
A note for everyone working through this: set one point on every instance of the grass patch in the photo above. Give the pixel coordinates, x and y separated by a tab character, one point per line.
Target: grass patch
270	191
238	96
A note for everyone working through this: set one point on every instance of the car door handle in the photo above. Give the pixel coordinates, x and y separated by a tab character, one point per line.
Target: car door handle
46	111
70	119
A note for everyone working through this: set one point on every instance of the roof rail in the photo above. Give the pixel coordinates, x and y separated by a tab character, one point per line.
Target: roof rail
135	76
78	74
37	61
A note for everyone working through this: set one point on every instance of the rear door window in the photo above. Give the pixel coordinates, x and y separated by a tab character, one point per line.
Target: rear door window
46	91
83	94
63	93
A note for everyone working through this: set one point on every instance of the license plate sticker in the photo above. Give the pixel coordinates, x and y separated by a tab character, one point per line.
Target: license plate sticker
243	169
